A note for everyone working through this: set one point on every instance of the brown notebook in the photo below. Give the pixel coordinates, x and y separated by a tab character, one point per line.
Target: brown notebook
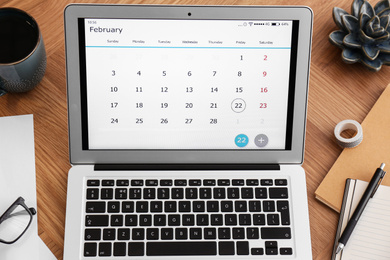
361	162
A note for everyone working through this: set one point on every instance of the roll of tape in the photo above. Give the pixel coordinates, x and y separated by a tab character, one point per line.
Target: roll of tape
348	142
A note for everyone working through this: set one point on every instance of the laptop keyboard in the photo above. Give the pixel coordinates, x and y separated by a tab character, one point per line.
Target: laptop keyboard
166	217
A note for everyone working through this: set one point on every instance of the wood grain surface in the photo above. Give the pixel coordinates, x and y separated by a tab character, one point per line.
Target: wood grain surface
337	91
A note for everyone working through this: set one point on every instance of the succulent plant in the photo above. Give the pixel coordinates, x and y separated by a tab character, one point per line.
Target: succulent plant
364	35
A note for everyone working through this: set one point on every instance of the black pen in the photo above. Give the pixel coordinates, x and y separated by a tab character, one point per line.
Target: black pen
368	194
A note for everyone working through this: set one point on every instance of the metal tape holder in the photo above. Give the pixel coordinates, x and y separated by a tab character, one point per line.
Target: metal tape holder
348	142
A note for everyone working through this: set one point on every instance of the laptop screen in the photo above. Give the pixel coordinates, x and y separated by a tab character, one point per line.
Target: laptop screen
175	84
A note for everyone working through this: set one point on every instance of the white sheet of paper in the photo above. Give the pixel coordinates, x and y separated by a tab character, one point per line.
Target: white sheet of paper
17	178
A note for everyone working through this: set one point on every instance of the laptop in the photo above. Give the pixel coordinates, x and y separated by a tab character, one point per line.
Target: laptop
186	132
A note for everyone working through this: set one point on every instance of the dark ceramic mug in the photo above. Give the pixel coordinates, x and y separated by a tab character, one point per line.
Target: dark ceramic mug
22	52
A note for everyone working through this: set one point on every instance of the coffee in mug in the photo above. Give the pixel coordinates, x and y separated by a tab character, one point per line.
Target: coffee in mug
22	51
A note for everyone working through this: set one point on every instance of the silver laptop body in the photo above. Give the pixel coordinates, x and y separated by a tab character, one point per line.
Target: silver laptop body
186	132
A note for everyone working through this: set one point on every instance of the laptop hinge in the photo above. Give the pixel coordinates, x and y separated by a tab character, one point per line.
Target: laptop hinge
185	167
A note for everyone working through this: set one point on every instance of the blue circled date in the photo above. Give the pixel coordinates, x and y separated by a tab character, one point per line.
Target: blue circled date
241	140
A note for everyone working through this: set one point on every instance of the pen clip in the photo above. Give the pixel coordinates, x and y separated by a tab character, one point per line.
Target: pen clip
379	183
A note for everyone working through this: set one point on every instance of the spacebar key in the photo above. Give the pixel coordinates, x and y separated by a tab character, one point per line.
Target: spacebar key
180	248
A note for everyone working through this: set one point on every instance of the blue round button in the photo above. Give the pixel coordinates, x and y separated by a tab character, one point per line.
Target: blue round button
241	140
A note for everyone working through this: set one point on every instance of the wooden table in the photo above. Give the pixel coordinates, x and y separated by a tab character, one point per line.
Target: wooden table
337	91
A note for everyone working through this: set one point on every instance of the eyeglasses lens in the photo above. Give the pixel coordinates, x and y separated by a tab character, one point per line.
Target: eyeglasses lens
15	224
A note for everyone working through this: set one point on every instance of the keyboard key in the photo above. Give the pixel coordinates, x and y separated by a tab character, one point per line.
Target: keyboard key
184	206
252	182
142	206
212	206
238	233
224	233
238	182
230	219
257	251
283	208
254	206
104	249
278	193
198	206
160	220
145	220
131	220
273	219
247	193
149	193
242	248
269	206
180	182
258	219
152	234
195	182
195	233
177	193
245	220
202	220
275	233
138	234
95	207
240	206
281	182
93	183
90	249
163	193
210	233
181	233
121	193
135	193
271	244
286	251
106	193
92	234
208	182
252	233
167	233
261	193
92	194
120	249
151	182
108	182
224	182
117	220
226	206
191	193
170	206
122	182
113	207
271	251
216	219
96	220
226	248
174	220
166	182
156	206
127	206
233	193
181	248
109	234
267	182
123	234
136	249
219	193
205	193
188	220
137	183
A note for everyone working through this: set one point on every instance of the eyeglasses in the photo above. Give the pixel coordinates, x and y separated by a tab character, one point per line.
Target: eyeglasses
15	221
